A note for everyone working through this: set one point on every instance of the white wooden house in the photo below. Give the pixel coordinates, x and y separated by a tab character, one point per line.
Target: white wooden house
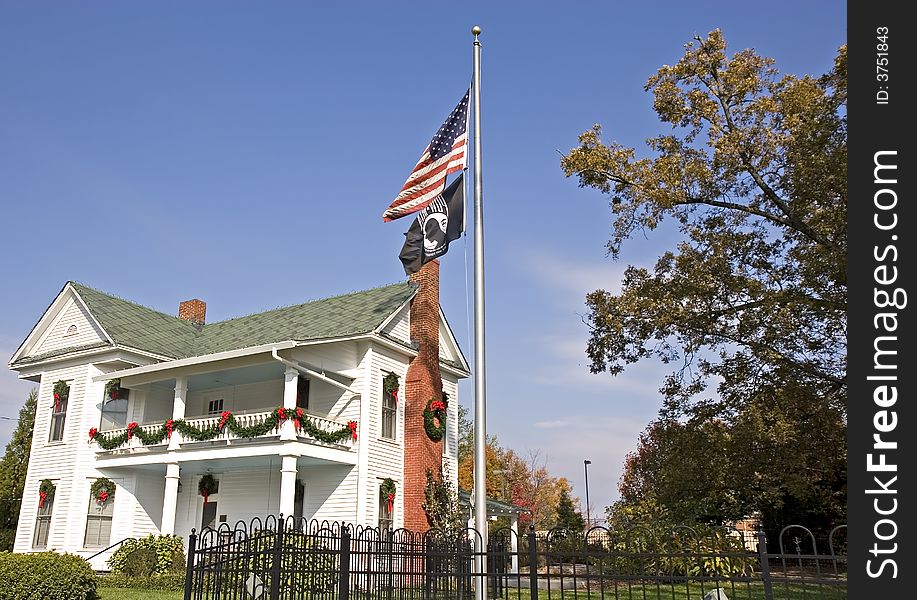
327	358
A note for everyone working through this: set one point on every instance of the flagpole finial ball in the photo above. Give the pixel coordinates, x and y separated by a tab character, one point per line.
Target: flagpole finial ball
475	30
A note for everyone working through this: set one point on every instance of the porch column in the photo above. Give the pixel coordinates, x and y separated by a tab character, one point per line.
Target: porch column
178	409
170	499
287	485
290	387
514	543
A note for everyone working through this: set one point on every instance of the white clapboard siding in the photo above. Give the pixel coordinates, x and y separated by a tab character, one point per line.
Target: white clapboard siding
157	405
72	327
56	461
330	493
150	490
450	462
245	495
256	396
400	325
386	457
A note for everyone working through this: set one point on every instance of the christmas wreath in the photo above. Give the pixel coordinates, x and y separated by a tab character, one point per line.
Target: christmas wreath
207	486
388	489
390	386
102	490
61	393
45	492
114	391
434	418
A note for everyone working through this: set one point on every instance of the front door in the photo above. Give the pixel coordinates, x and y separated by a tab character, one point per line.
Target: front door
209	515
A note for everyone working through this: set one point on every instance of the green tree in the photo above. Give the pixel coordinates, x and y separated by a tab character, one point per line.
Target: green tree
13	469
568	517
754	174
752	298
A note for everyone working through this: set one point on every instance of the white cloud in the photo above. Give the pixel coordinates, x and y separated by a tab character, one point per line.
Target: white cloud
572	279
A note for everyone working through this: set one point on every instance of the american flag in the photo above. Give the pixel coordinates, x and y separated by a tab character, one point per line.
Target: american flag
445	154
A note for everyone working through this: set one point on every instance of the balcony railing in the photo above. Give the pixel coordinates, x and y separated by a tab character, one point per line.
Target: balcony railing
203	423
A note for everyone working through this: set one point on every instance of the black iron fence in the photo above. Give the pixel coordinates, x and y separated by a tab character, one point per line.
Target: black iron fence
276	559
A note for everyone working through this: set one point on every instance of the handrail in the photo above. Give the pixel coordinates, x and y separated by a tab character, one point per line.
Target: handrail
110	547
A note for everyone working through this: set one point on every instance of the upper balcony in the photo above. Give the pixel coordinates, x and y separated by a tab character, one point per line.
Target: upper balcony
235	412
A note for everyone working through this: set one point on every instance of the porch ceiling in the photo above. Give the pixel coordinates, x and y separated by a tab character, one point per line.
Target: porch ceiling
225	465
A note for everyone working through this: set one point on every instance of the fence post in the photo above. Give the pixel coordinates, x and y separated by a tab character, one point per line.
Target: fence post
276	560
533	564
765	565
344	577
189	567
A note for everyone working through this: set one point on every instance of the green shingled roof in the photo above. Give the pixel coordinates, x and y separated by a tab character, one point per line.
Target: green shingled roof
136	326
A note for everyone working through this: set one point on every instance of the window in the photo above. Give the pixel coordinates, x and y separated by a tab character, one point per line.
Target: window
59	417
72	330
302	393
43	523
98	523
114	414
389	412
215	407
385	513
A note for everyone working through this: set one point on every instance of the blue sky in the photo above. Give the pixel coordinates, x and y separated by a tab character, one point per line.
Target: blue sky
243	153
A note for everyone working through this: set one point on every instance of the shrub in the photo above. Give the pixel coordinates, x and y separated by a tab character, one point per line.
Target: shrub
139	562
167	552
46	576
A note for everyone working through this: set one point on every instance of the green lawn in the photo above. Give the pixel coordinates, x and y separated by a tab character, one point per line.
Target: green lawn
124	593
635	592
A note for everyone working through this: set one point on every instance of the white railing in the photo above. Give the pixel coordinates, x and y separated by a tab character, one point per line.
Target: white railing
243	419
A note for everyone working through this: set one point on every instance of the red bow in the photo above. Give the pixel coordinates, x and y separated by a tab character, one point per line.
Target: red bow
130	429
206	495
391	502
41	499
169	425
92	433
282	413
437	405
395	395
103	497
223	418
353	429
114	394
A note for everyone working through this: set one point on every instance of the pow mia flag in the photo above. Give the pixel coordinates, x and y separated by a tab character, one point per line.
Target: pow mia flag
440	222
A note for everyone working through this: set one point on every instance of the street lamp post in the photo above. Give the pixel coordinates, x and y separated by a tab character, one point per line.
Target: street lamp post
586	464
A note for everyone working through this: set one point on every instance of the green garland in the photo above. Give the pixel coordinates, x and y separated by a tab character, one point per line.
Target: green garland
434	418
103	490
114	390
227	421
390	386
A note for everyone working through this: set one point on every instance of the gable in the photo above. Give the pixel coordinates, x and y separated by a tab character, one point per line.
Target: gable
66	324
448	346
74	326
399	327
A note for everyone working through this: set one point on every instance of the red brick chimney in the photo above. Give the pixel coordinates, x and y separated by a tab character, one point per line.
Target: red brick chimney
422	383
193	311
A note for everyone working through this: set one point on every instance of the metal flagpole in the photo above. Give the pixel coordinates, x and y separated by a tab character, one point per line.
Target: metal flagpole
480	431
